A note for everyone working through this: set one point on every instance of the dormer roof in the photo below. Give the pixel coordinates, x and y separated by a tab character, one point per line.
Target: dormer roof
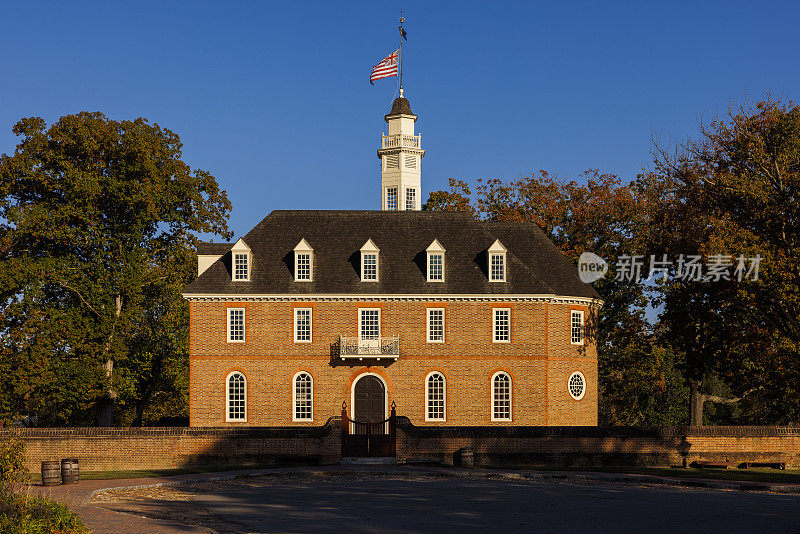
369	246
497	247
240	246
435	246
303	246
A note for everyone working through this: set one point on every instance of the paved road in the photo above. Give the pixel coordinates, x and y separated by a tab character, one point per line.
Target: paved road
455	505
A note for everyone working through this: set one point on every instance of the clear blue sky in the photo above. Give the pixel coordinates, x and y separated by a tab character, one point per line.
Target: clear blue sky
274	99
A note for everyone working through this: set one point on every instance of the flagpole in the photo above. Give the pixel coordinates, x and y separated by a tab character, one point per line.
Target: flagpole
400	59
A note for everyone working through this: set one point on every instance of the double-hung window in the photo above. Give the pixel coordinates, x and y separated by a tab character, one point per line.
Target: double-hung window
411	198
576	327
391	198
435	325
302	325
241	266
236	325
369	324
370	266
501	329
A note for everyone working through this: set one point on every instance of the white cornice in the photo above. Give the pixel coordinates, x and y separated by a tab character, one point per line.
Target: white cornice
554	299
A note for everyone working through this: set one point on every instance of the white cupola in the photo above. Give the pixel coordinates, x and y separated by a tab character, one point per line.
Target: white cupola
401	159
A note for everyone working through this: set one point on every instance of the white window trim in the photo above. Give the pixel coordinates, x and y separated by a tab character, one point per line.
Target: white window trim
494	325
294	397
244	324
249	258
228	418
585	386
310	278
370	248
310	325
359	320
428	325
583	333
510	397
505	266
429	266
444	396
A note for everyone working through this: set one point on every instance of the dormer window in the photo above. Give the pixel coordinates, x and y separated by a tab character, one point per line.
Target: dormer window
370	255
435	262
497	262
241	261
303	262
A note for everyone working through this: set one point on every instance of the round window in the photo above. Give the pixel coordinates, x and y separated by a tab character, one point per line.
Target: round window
576	385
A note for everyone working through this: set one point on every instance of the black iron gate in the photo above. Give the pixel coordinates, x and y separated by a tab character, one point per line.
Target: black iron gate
369	438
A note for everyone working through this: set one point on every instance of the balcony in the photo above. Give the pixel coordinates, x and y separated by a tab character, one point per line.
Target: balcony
360	348
400	141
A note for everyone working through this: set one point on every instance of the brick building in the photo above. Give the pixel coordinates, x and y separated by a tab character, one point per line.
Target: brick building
458	322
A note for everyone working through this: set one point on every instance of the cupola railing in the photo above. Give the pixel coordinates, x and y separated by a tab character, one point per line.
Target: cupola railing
401	141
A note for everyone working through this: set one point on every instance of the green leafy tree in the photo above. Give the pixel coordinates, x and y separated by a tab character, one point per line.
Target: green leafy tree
98	221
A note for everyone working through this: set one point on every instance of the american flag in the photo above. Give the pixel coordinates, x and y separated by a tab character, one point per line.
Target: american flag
386	68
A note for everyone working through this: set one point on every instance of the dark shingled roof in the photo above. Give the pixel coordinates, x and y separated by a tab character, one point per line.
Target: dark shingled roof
535	265
212	249
400	106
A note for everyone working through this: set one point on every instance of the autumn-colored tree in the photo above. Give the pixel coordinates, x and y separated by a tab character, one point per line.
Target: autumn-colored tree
603	216
734	191
98	222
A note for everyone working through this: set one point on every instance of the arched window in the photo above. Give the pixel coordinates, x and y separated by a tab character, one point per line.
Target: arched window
303	397
236	398
435	391
501	397
577	385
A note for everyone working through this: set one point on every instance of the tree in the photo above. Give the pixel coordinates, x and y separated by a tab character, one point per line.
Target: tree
734	190
605	217
98	221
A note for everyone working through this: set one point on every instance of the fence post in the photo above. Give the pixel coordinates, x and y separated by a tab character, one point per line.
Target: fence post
345	425
393	430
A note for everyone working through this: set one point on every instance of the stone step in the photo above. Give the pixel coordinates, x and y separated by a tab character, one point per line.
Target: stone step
379	460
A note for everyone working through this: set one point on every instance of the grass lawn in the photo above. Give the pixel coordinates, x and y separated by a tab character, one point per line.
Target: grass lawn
774	476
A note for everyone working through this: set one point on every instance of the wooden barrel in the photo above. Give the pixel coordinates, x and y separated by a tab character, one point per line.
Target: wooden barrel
70	474
467	456
51	473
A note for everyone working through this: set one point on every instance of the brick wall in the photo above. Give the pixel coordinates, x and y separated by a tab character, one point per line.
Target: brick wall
539	358
594	446
101	449
166	448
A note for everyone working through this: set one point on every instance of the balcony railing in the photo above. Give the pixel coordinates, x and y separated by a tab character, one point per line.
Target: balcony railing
356	347
400	141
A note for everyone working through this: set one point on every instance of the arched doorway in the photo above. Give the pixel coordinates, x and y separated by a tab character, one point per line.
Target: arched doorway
368	431
369	399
